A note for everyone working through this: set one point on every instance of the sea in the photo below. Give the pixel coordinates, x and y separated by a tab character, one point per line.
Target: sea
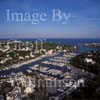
66	41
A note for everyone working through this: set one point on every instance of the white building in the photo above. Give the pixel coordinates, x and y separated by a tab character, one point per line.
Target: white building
89	60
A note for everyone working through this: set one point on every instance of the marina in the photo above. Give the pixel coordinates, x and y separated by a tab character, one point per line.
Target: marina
53	69
43	65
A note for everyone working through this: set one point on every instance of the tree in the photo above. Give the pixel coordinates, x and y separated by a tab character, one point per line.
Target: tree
5	88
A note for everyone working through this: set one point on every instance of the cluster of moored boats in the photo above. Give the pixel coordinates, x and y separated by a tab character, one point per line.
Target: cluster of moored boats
60	64
55	61
45	70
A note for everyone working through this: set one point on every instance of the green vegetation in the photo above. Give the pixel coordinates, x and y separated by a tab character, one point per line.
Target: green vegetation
5	88
91	89
13	56
79	61
31	74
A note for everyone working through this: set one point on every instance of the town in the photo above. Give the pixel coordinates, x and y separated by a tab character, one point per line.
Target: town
27	71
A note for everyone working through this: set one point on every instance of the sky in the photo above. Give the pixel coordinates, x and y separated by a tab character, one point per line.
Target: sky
83	22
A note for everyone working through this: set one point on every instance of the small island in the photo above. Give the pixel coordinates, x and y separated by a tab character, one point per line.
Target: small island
96	45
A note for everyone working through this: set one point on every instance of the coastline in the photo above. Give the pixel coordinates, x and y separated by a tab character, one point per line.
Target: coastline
17	65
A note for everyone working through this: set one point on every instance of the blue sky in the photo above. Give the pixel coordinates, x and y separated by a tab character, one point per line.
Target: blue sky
84	21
